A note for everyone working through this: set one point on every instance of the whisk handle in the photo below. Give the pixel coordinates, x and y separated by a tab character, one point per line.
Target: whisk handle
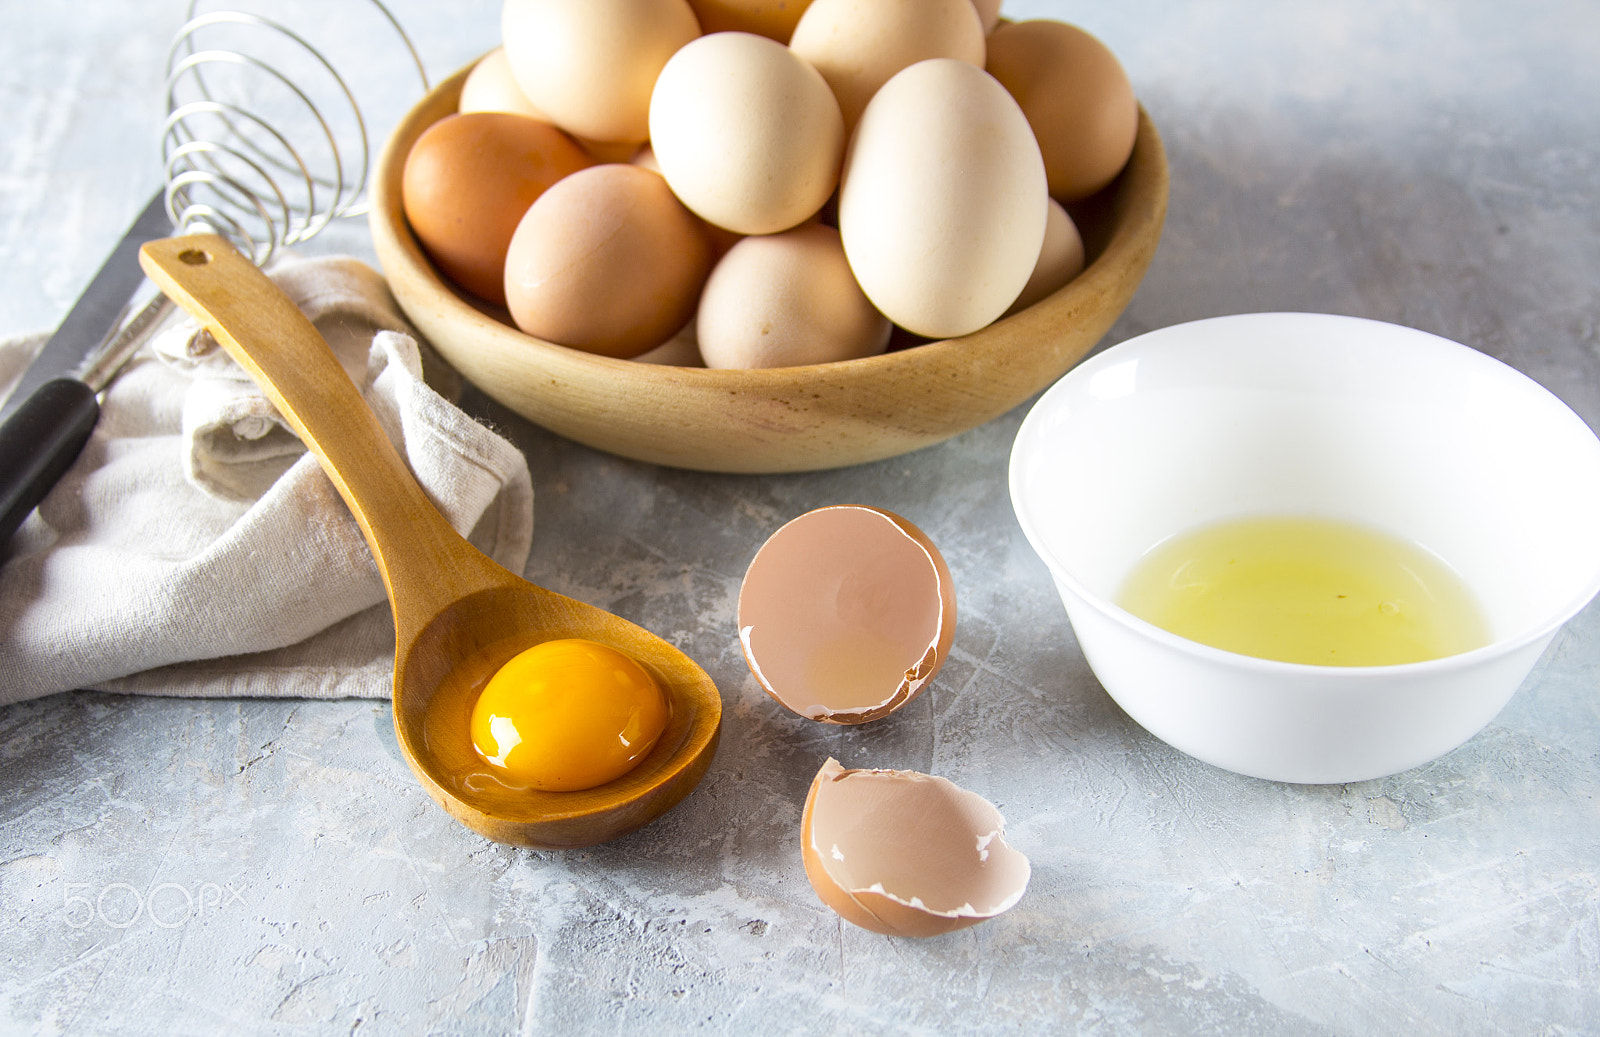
38	443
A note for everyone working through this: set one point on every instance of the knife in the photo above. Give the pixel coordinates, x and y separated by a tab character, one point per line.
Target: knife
49	415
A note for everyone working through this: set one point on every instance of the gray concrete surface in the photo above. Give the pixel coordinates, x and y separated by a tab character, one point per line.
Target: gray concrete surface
269	866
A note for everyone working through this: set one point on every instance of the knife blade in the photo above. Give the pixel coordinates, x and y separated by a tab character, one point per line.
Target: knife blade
55	405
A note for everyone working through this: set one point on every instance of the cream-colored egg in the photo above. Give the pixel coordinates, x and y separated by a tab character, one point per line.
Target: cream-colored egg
858	46
590	64
606	261
1060	259
1076	96
774	18
781	300
943	204
747	133
490	87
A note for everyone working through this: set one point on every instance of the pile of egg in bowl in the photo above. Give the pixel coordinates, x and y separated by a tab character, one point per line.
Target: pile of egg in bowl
742	184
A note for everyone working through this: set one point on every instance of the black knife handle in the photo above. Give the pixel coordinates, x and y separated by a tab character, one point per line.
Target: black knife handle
38	443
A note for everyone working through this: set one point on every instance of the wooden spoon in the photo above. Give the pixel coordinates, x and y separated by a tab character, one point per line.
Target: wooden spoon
457	614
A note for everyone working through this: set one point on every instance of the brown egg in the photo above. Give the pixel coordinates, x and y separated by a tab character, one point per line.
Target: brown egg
773	19
846	614
1077	99
610	150
467	182
858	47
988	13
1060	259
780	300
907	854
607	261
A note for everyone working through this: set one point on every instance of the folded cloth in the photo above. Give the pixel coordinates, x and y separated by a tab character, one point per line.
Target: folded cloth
196	548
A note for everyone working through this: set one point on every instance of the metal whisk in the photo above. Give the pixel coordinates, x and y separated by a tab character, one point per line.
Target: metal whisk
265	144
233	166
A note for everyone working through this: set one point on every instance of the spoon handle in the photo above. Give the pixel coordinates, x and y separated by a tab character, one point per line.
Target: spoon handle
283	351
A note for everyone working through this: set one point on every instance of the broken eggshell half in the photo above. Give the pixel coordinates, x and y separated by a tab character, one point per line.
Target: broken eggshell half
846	613
907	854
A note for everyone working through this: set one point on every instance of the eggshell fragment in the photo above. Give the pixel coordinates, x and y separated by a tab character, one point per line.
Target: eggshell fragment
858	46
747	133
606	261
943	203
591	64
780	300
907	854
467	182
846	614
1076	96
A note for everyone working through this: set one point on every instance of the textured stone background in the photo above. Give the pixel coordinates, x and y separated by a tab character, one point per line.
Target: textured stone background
1431	164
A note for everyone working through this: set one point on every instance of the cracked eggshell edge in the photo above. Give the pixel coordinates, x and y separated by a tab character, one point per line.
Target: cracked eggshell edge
873	908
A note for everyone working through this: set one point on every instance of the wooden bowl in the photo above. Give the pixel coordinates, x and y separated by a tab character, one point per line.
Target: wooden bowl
777	419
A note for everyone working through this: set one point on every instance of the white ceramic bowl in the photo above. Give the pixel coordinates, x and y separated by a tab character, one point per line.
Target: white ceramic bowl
1333	416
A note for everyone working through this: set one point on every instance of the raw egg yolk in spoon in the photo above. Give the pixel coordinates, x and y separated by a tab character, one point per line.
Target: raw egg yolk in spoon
567	715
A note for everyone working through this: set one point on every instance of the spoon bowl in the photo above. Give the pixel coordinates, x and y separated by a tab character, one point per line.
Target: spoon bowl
458	614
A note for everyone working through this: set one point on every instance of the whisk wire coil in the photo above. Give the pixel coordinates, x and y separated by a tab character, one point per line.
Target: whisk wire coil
231	164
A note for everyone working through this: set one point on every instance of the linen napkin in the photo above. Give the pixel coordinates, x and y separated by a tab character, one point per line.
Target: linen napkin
197	549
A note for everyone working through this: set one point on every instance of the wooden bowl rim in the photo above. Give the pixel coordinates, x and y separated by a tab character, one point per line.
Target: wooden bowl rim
977	376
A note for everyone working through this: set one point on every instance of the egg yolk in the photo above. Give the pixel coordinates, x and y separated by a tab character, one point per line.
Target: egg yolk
568	715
